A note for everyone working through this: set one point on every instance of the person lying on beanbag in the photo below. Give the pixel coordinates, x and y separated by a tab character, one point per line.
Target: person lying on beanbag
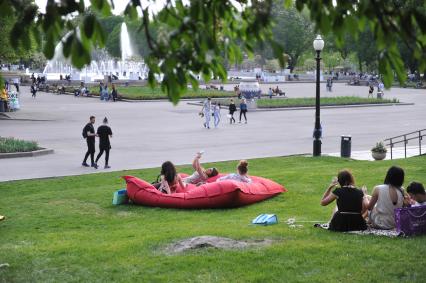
241	176
200	175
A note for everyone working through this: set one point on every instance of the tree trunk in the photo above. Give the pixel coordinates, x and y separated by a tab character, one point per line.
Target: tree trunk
360	65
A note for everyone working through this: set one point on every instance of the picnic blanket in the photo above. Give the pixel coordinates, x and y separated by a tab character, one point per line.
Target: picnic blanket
370	231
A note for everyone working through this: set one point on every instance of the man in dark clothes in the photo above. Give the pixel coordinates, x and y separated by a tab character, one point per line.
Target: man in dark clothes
89	135
104	133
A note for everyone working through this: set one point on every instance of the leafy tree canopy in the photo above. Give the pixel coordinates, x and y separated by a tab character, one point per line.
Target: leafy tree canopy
193	39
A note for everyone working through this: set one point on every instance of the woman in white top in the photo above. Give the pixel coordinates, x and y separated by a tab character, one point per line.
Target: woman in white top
200	175
386	198
241	176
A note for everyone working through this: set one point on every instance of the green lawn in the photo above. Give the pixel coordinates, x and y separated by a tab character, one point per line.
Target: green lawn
67	230
325	101
9	145
145	92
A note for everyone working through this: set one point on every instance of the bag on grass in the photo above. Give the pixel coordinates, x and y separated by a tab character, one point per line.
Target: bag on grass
265	219
411	220
120	197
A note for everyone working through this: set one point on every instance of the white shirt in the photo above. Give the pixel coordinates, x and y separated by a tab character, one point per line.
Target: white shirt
382	215
235	177
195	178
418	204
206	106
216	110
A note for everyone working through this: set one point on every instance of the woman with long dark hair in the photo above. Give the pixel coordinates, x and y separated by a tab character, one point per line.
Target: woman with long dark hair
350	204
386	198
169	179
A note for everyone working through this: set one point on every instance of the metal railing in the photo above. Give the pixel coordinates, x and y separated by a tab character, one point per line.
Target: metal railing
416	135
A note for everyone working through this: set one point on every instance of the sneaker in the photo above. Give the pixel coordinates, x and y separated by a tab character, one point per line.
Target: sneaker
107	167
94	165
85	164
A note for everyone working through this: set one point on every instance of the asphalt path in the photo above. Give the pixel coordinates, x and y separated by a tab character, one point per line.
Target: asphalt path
148	133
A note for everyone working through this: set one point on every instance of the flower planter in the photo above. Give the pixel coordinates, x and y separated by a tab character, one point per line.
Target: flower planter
378	155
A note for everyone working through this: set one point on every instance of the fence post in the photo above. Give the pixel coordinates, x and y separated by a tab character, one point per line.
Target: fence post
420	142
405	146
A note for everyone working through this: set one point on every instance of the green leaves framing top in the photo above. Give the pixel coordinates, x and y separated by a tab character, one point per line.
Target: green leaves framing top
390	21
196	37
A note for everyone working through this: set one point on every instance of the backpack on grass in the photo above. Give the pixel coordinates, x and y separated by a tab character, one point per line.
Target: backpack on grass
265	219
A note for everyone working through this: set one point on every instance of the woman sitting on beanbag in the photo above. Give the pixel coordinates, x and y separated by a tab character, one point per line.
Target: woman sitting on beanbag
170	181
241	176
350	205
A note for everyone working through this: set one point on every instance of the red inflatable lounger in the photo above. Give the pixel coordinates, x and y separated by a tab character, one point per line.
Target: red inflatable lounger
222	194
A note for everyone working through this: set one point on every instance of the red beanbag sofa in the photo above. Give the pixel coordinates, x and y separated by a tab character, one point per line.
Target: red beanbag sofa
223	194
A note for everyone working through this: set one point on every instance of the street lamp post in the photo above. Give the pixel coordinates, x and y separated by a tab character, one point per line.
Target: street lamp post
318	46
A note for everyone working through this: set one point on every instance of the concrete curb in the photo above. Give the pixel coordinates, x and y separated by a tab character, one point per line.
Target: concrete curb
143	168
322	107
43	151
4	116
140	100
25	119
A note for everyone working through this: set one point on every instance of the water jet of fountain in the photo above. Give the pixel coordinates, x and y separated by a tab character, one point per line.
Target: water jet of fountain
126	49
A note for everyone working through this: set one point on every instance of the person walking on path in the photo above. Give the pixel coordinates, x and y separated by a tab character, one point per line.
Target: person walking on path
371	91
16	84
206	110
232	109
89	135
270	93
243	110
33	90
104	133
4	98
216	114
114	93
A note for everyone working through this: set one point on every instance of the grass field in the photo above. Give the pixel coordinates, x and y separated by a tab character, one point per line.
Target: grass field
9	145
325	101
67	230
145	92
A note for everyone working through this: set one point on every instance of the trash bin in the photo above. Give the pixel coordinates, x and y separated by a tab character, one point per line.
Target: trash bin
345	146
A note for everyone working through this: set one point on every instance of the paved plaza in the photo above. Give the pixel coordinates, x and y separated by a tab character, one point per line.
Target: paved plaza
148	133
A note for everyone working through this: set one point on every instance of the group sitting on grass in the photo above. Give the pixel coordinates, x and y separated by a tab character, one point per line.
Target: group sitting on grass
170	181
355	208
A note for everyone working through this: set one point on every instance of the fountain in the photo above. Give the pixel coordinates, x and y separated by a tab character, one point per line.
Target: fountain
126	48
102	64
